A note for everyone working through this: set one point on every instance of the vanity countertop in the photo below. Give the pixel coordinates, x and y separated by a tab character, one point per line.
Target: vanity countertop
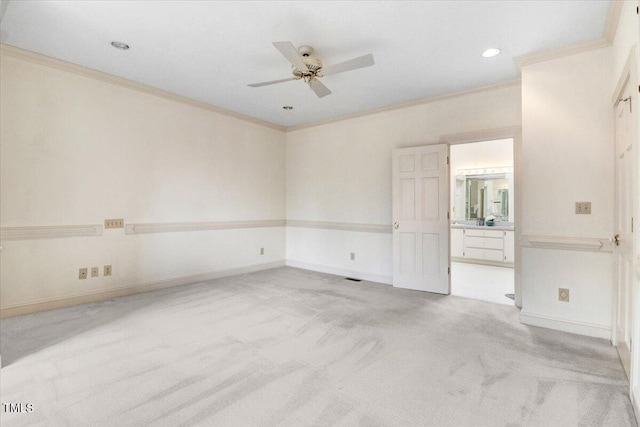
483	227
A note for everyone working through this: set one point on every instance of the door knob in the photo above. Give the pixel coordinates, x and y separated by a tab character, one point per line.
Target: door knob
396	225
616	239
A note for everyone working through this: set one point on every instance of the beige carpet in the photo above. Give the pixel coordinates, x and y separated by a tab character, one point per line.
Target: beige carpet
289	347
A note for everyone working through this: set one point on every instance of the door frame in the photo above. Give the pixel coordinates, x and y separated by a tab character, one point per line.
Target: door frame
515	133
630	70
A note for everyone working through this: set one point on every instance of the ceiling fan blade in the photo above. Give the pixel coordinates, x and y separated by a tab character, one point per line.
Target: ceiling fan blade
291	53
320	89
272	82
352	64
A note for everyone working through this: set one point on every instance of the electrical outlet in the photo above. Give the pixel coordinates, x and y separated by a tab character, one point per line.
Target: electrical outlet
82	273
106	271
353	256
563	294
583	208
114	223
261	251
95	272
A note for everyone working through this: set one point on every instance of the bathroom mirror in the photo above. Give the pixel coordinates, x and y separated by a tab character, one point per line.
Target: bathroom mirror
483	195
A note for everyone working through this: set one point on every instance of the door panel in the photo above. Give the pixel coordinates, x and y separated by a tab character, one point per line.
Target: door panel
430	199
431	255
421	227
407	253
626	187
408	196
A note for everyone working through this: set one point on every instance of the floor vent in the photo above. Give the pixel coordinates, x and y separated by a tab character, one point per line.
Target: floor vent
353	280
510	296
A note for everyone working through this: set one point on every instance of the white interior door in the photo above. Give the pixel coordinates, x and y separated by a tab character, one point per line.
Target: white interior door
626	189
421	228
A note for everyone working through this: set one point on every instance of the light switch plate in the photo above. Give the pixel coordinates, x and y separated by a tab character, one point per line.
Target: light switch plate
583	208
82	273
114	223
106	271
95	272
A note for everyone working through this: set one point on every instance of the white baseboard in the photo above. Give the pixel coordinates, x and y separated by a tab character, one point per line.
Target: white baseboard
34	307
564	325
387	280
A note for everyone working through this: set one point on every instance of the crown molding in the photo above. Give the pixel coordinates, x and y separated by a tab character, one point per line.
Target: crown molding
546	55
25	55
613	18
415	103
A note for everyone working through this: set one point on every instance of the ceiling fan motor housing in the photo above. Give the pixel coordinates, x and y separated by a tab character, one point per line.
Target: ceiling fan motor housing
313	64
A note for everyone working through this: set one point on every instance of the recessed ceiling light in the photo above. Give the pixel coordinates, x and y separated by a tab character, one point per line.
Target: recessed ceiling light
287	107
490	52
120	45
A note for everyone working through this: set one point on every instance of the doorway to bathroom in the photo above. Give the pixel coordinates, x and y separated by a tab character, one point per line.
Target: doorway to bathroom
483	220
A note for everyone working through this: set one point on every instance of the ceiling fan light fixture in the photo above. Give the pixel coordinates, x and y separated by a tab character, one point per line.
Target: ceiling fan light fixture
491	52
120	45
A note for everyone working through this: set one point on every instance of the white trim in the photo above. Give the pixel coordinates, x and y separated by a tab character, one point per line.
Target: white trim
546	55
635	400
482	262
165	227
387	280
50	232
508	132
482	89
69	67
564	325
613	19
590	244
344	226
628	68
515	133
67	301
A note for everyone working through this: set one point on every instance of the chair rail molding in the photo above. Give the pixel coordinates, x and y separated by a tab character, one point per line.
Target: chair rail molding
50	232
167	227
591	244
344	226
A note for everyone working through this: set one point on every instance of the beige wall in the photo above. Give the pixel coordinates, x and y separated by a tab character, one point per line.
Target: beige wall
76	150
567	156
627	41
341	172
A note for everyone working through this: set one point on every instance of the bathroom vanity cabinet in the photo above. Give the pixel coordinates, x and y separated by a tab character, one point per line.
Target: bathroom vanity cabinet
482	244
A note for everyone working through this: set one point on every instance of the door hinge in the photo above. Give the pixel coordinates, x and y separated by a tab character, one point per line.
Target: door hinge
632	224
448	270
447	159
447	215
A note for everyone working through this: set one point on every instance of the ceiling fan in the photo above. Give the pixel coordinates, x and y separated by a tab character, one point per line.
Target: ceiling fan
308	68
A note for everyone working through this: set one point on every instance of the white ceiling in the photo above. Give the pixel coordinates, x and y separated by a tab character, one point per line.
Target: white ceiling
209	51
